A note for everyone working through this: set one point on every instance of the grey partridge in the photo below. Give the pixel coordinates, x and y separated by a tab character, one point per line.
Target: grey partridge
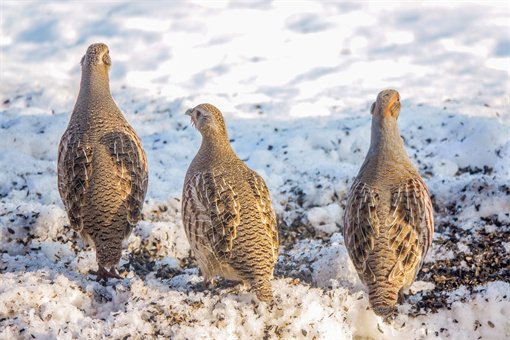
388	221
102	168
227	210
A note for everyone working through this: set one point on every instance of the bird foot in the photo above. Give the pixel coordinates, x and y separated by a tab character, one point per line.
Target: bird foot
103	274
221	284
232	283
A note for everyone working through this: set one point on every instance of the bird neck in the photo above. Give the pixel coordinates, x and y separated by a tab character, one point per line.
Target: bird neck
95	102
385	136
386	145
214	148
94	84
94	79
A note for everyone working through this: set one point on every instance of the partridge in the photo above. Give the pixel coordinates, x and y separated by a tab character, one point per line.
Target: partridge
102	168
388	222
227	211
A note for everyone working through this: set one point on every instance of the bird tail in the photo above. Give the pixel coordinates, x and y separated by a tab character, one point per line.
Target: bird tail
383	300
263	290
108	254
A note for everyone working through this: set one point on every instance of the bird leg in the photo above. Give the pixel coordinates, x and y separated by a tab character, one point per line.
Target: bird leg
103	274
204	284
401	298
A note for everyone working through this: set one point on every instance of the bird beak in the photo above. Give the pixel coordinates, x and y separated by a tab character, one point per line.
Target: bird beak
189	112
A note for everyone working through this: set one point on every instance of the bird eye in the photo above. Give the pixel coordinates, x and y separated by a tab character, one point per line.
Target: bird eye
198	114
398	99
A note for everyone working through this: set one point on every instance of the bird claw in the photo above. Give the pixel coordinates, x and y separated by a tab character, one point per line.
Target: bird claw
103	274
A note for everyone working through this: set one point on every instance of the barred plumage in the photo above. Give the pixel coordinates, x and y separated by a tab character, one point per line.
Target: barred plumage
388	221
102	168
227	211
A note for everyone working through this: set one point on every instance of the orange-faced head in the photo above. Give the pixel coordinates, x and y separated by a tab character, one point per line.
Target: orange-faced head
387	104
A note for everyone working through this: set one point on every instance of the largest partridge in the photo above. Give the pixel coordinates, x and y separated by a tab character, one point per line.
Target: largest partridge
227	211
388	222
102	169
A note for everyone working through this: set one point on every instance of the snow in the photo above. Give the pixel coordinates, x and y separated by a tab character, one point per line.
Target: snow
327	218
295	81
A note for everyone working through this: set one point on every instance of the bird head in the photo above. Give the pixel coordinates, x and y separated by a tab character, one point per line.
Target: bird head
387	104
207	119
97	55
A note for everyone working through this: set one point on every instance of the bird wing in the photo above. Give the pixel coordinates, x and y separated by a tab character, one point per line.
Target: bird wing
265	209
410	227
361	226
211	211
74	169
130	169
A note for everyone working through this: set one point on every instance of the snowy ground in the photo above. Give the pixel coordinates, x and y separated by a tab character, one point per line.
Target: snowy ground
295	81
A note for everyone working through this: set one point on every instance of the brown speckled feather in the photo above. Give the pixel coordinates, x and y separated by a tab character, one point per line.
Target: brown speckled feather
212	206
406	223
74	171
361	226
409	231
131	172
265	208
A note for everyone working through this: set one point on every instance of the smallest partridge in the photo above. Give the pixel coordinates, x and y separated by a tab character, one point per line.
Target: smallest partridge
227	211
